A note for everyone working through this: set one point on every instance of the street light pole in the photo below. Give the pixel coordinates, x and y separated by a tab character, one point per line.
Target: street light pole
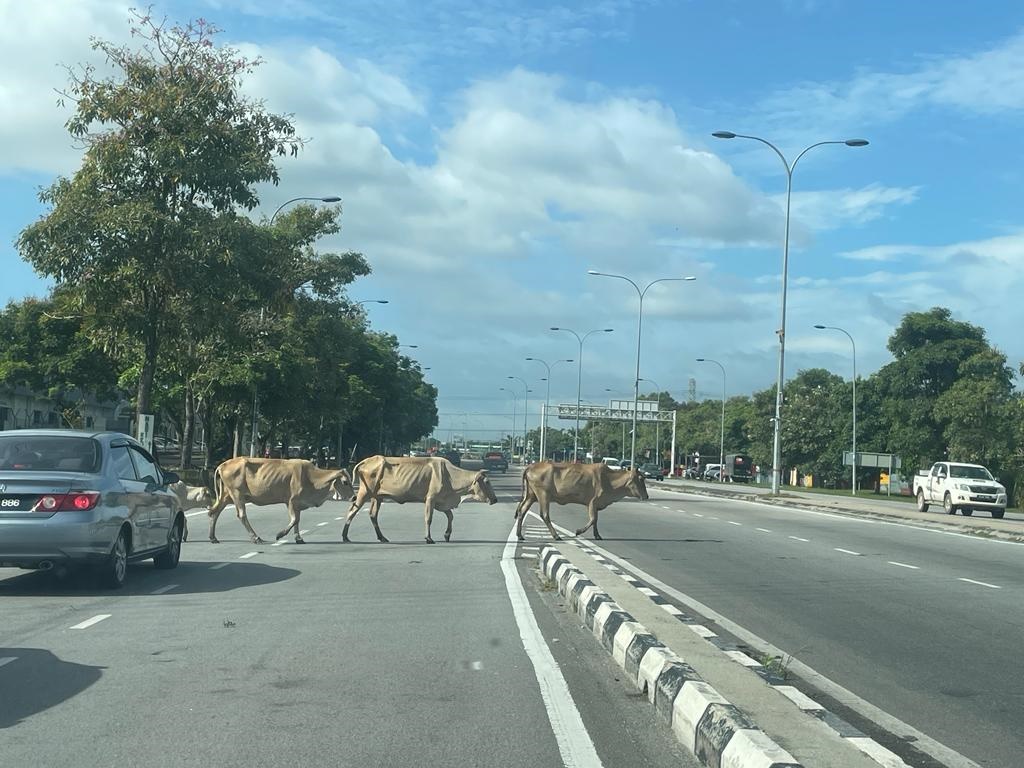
657	424
526	407
776	440
721	459
328	199
579	382
547	405
639	327
515	399
853	469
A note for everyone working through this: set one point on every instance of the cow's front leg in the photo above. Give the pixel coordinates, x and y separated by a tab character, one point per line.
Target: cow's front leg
448	530
298	523
521	510
254	537
545	513
353	510
591	521
293	523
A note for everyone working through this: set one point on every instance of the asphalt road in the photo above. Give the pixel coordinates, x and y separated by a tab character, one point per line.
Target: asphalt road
325	654
922	623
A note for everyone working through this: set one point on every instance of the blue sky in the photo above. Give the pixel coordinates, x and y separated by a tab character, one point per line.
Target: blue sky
489	153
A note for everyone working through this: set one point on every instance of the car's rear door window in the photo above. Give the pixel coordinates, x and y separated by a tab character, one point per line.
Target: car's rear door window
122	463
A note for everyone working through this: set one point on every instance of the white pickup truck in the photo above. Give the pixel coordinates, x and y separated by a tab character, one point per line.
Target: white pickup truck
964	487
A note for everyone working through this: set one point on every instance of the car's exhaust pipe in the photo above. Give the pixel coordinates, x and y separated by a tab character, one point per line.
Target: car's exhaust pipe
46	565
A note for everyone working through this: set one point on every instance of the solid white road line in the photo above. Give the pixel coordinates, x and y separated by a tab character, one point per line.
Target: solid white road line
904	565
89	622
846	551
163	589
574	743
7	659
797	538
247	555
193	514
763	530
218	566
980	583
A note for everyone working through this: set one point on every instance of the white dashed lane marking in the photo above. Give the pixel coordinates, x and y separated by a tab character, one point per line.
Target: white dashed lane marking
763	530
247	555
7	660
320	525
218	566
697	514
846	551
163	589
733	523
797	538
904	565
980	583
89	622
339	518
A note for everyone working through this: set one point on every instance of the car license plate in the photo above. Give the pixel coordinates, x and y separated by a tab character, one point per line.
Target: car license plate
10	503
986	498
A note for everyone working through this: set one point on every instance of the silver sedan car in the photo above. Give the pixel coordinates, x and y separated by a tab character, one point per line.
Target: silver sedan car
85	498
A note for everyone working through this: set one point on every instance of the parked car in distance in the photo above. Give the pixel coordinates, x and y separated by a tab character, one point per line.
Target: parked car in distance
453	456
77	497
652	471
495	461
711	472
963	487
611	461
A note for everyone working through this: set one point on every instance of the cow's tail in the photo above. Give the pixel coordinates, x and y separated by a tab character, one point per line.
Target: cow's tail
218	486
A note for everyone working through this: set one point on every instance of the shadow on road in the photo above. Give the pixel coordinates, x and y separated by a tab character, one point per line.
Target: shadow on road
143	578
37	680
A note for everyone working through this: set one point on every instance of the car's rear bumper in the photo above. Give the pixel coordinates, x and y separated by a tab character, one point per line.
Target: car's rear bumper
56	540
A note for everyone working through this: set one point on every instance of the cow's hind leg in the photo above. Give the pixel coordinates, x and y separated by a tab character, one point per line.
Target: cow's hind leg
521	511
374	512
448	530
254	537
353	510
213	513
428	517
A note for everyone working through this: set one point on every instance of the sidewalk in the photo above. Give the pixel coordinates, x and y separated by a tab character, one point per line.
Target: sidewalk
1010	527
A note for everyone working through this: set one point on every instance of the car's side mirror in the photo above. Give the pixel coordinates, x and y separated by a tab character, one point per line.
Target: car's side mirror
170	478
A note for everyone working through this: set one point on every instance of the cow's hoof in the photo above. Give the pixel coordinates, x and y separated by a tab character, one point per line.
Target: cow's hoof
345	540
299	540
447	538
521	538
429	540
280	535
383	539
556	537
258	540
598	536
214	540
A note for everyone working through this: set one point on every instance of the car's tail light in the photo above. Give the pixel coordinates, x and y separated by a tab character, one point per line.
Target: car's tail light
76	501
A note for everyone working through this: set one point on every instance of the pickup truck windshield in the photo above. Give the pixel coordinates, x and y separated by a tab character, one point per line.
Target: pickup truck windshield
973	473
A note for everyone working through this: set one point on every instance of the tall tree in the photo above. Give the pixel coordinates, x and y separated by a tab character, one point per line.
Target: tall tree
171	150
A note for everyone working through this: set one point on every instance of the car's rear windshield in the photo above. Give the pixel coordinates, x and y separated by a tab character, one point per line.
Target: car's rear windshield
972	473
48	453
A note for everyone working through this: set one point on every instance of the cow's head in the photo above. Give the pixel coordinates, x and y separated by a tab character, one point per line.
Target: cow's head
635	485
481	489
200	494
341	487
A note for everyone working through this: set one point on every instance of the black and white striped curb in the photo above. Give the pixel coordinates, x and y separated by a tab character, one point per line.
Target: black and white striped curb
770	674
714	730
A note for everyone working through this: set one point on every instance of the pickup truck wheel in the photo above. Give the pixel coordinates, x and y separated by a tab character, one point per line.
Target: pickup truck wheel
947	504
998	513
966	511
922	505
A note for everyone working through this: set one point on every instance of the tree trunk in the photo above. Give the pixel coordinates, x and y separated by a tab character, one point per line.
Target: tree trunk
206	414
190	427
236	449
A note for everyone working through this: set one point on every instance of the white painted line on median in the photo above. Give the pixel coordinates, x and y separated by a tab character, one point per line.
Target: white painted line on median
846	551
218	566
163	589
797	696
647	591
321	525
669	608
94	620
247	555
797	538
763	530
530	549
877	752
7	660
980	583
574	743
904	565
529	556
731	522
701	630
743	659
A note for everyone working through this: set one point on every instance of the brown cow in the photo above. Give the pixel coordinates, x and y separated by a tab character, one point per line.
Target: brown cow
295	482
190	497
593	485
437	483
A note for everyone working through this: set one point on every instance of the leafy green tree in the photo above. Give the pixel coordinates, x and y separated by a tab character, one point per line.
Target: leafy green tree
171	149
